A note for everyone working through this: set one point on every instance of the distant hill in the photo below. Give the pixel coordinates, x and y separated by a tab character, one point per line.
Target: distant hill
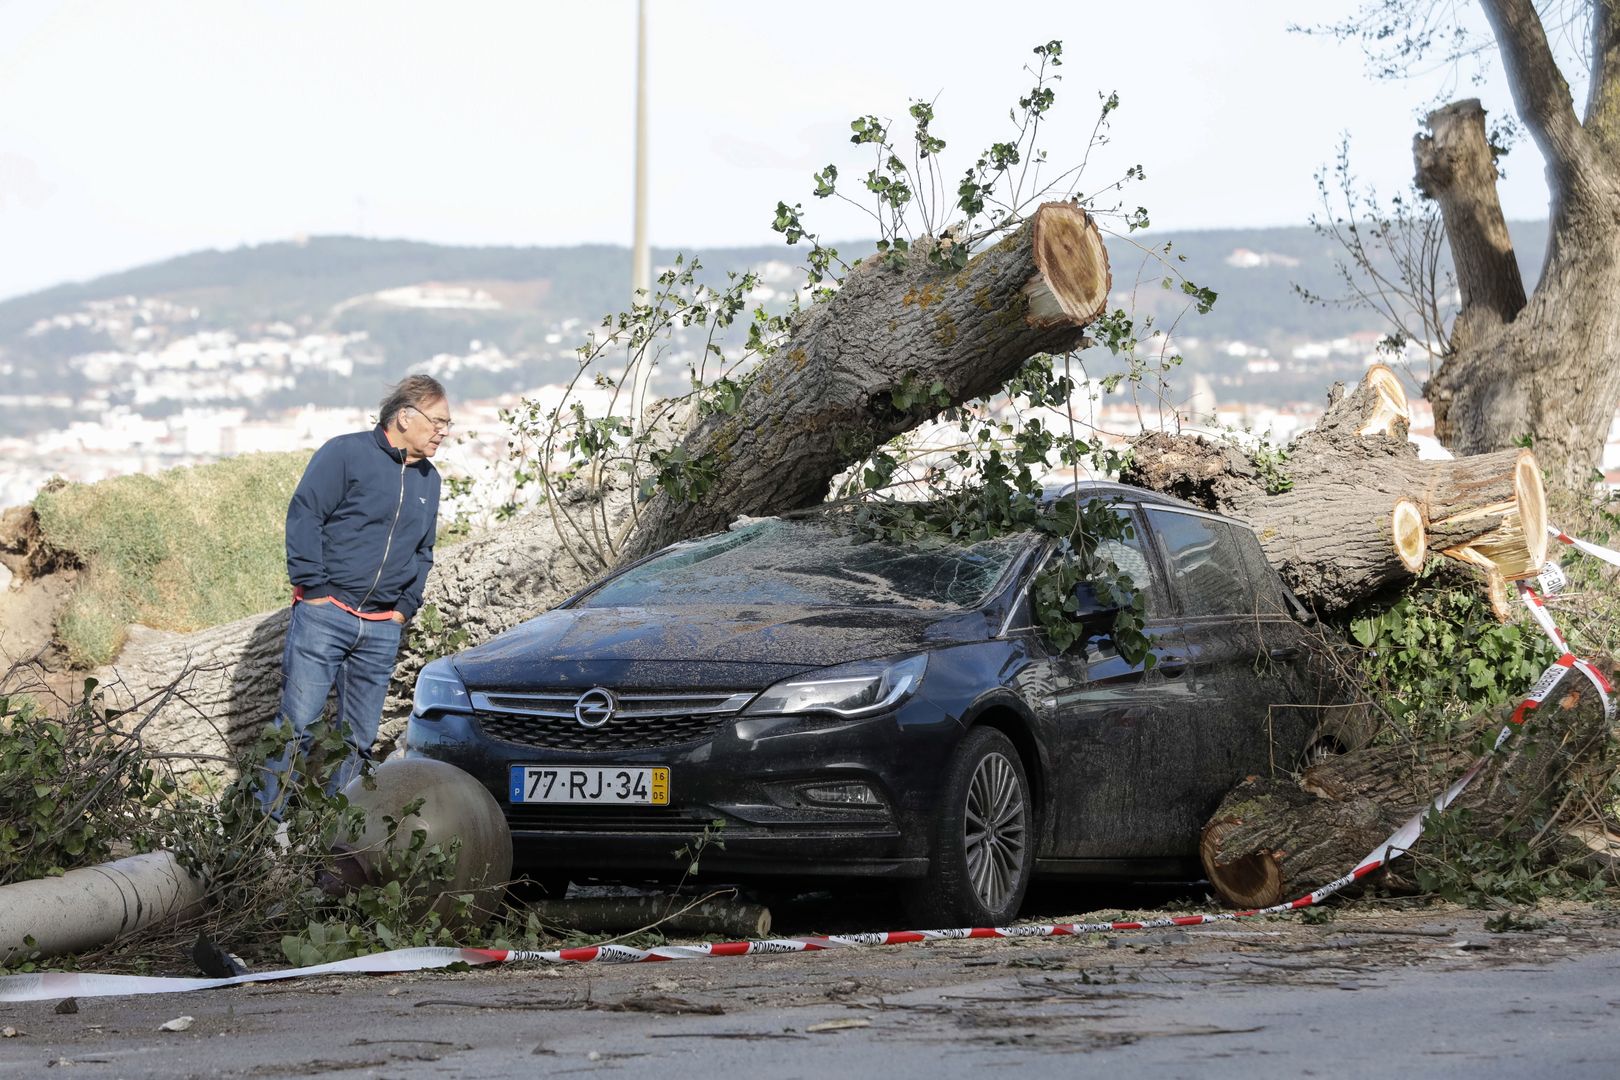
330	286
290	281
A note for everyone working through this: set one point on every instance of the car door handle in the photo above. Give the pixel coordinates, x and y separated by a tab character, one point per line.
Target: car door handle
1173	667
1285	652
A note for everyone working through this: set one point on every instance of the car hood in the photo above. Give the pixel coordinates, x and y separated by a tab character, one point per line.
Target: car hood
586	643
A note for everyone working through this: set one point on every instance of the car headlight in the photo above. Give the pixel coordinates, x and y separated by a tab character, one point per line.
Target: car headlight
440	689
858	689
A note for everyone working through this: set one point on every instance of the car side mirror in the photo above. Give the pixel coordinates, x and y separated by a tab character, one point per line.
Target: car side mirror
1095	615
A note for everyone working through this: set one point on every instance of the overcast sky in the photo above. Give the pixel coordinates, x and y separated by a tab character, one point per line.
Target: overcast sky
134	130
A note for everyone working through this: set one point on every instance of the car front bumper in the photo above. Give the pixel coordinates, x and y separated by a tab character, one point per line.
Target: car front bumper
738	805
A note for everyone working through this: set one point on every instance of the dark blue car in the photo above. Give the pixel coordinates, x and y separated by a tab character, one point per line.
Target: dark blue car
844	707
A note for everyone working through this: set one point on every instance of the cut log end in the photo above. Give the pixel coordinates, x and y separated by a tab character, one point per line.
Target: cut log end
1254	880
1406	527
1532	499
1071	288
1389	414
1496	514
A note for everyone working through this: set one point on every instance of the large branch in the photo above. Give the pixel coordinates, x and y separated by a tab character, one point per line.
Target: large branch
1540	92
1360	510
825	398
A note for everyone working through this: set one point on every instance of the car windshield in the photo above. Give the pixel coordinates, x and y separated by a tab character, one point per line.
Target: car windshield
812	564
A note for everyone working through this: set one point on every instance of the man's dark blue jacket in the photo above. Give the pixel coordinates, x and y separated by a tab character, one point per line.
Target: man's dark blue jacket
361	523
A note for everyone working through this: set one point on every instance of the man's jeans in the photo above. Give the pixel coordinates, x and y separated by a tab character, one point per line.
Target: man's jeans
327	646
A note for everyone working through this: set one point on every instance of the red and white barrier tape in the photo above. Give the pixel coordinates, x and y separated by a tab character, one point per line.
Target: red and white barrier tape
44	986
1597	551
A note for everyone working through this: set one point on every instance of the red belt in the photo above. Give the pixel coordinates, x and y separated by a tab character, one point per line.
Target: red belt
369	616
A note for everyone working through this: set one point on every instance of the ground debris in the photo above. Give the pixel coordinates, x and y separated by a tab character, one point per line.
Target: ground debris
839	1025
666	1004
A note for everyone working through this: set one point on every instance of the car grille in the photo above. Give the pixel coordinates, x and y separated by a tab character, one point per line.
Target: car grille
642	720
521	816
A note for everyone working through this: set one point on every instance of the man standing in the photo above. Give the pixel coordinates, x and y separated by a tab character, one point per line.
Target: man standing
360	533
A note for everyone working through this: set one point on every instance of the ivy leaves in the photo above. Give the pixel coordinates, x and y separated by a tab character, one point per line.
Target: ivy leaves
1412	649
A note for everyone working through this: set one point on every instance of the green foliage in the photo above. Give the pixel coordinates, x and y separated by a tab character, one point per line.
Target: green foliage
690	854
1317	915
263	897
459	527
182	550
992	486
566	449
71	786
681	476
431	637
1515	922
1467	862
1269	459
77	787
1438	655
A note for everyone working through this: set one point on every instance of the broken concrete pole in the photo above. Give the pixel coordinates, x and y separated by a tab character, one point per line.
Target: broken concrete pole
99	904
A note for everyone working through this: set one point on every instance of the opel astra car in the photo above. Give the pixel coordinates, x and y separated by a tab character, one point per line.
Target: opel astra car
825	705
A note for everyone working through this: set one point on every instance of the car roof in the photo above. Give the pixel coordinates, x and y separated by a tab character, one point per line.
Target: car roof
1117	492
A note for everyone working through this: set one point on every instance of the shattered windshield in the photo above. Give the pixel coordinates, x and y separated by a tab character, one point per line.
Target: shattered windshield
812	564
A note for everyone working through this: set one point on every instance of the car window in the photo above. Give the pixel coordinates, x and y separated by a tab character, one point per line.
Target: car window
1268	587
1205	568
812	564
1132	560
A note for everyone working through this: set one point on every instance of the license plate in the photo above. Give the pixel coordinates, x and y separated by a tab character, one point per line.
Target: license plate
589	784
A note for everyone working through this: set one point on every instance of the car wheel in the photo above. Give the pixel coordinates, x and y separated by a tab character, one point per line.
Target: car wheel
983	848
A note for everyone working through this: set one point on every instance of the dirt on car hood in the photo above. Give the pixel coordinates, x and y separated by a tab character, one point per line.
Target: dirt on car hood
776	637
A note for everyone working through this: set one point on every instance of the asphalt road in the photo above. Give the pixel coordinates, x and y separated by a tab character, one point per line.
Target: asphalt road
1425	993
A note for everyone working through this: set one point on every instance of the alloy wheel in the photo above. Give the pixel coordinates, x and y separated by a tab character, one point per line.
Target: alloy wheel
994	830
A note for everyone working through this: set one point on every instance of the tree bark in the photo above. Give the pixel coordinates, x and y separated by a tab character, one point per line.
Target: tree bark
1342	533
1273	840
819	404
1549	370
1456	168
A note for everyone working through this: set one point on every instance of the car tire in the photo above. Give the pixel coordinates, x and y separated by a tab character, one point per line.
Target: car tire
982	852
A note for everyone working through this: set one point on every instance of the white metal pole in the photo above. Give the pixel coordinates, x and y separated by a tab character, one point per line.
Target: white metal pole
640	256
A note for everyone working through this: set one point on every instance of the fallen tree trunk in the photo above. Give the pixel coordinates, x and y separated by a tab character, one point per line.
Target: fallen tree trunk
826	397
822	401
1273	840
1356	511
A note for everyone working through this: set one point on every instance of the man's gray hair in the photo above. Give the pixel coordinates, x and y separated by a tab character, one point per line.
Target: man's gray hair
413	390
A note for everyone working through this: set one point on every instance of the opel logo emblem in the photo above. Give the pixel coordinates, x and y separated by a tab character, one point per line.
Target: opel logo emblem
595	707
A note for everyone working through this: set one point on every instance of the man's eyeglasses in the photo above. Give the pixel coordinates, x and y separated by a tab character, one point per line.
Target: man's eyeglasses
440	423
